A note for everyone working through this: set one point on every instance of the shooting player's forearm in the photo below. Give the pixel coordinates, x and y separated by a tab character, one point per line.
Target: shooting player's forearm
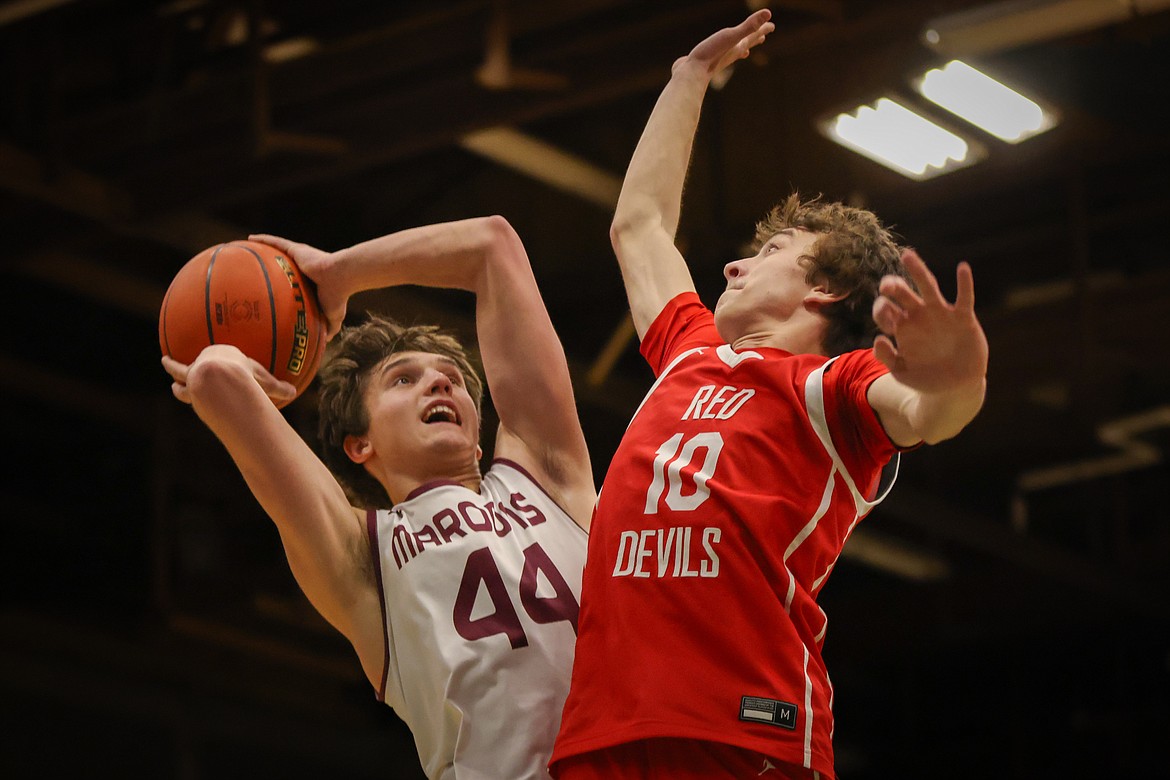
450	254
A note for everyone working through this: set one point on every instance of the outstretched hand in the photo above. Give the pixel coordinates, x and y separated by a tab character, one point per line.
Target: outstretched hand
316	264
730	44
940	346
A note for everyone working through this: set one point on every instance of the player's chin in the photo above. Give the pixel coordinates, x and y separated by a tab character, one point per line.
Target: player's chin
725	318
448	434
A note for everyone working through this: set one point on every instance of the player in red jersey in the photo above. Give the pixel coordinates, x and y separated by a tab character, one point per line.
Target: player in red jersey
760	446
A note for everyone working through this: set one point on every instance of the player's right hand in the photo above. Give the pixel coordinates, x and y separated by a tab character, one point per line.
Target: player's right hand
730	44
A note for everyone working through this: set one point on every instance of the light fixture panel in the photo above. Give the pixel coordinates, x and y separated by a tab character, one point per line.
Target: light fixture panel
901	139
985	102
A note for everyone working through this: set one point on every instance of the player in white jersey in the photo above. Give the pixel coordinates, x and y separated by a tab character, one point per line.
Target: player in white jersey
459	592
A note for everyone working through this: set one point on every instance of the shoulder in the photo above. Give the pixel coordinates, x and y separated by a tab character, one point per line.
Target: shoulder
856	369
511	484
682	324
506	476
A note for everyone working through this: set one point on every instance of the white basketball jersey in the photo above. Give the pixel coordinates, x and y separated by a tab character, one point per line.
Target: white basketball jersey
481	594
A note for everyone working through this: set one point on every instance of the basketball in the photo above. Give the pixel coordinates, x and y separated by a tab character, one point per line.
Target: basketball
249	295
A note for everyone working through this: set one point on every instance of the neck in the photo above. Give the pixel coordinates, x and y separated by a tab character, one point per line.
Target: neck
798	336
400	485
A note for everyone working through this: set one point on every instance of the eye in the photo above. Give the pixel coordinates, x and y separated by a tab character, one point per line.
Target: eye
402	379
456	378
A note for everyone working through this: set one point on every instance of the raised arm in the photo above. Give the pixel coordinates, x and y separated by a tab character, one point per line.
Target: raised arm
323	536
936	352
647	213
523	359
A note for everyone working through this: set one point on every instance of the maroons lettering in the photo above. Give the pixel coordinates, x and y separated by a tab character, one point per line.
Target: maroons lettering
466	517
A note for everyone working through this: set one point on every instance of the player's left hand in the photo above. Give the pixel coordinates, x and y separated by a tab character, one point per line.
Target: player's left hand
928	343
278	391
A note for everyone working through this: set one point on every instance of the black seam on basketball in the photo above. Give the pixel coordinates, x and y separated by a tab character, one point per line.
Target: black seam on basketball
271	305
207	295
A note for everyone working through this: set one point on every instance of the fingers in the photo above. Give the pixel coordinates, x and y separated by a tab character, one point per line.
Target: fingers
273	387
756	39
755	21
754	30
283	244
928	283
888	315
884	351
180	392
923	278
729	44
177	370
897	291
965	297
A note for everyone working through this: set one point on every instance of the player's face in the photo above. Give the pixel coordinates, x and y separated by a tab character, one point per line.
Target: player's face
421	413
767	287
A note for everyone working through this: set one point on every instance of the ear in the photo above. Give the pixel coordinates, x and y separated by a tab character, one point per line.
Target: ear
478	453
358	448
820	295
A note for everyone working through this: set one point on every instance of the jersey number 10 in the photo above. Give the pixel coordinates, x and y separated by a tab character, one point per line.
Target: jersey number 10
669	462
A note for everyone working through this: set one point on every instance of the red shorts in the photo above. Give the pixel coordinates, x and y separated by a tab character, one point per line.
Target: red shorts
677	759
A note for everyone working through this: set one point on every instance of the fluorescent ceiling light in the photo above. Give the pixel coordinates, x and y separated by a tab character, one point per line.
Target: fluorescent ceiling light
984	102
893	135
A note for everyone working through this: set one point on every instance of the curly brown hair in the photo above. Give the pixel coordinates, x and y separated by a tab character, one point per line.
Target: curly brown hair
851	256
355	354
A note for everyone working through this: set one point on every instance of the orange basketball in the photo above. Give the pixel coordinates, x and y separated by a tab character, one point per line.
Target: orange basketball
252	296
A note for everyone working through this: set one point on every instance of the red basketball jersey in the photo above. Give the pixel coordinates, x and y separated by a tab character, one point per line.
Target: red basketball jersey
721	516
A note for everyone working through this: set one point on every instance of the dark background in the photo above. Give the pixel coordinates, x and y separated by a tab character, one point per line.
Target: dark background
150	624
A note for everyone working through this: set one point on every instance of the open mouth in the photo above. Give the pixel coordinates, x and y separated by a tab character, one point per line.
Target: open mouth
440	413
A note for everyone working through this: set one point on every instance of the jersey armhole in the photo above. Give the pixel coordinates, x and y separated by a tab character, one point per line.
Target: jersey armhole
372	531
536	483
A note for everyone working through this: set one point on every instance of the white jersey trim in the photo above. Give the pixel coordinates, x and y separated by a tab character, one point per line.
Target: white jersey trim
814	398
808	709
